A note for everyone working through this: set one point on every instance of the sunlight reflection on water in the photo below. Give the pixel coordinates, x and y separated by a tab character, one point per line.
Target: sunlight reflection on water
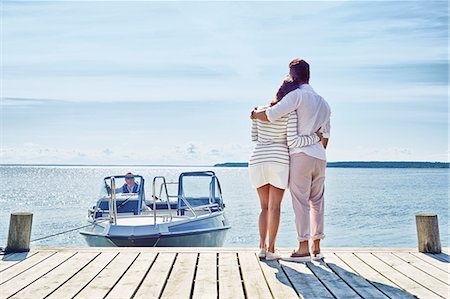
364	207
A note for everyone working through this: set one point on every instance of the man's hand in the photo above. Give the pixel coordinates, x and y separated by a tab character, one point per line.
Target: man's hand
324	142
318	133
108	188
259	115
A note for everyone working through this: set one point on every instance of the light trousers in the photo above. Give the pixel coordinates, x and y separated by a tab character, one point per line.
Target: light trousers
306	184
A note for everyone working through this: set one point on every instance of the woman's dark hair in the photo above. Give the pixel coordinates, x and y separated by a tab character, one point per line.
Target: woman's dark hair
299	70
286	87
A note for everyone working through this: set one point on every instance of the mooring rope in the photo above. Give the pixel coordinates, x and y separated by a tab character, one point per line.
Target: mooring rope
67	231
2	250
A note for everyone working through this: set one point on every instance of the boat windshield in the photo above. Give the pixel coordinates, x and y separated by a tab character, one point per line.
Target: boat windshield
197	187
123	187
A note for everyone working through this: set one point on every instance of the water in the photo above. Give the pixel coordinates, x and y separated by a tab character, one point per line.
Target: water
364	207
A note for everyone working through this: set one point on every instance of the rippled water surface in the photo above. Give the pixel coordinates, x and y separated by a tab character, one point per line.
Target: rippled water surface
364	207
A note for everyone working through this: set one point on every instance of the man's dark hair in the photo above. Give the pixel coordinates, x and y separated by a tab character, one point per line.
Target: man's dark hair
299	70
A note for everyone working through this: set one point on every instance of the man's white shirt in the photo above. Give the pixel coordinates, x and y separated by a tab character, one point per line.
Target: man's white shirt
313	112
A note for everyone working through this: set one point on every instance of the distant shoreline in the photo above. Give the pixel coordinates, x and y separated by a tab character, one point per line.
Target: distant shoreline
361	164
346	164
107	165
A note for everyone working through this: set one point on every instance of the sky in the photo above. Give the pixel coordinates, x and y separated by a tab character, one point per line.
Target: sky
143	82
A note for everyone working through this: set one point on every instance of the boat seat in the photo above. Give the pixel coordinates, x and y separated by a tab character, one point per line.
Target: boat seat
161	205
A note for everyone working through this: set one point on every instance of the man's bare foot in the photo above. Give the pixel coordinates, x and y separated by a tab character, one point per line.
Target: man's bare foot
316	254
299	254
315	246
298	257
303	248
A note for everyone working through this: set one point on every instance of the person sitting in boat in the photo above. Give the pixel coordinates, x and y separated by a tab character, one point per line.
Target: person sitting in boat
130	185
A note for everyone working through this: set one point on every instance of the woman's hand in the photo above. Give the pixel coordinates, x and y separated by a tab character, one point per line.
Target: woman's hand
252	114
318	133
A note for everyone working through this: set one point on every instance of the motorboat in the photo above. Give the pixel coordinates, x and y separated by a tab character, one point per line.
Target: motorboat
193	215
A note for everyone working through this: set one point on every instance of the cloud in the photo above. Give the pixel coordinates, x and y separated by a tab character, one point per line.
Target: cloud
215	152
187	154
388	153
191	149
30	144
18	102
390	53
107	69
148	51
422	72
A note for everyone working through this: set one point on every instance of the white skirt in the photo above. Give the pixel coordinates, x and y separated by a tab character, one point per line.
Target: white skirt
276	174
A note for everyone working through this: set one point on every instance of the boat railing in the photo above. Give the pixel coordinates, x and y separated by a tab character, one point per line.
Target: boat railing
113	203
197	208
165	196
162	187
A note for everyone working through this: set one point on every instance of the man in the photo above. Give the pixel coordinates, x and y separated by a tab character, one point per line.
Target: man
307	164
130	185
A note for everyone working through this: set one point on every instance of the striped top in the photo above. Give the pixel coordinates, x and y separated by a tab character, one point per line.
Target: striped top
273	139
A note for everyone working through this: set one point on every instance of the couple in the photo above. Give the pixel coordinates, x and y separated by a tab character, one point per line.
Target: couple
291	135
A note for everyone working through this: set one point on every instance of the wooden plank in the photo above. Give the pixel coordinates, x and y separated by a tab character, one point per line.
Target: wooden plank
98	272
128	284
398	278
37	258
254	281
374	277
155	279
361	286
440	256
53	279
332	281
277	280
181	278
71	287
27	277
415	274
205	285
304	281
220	249
366	249
150	249
424	266
12	259
230	284
108	277
432	261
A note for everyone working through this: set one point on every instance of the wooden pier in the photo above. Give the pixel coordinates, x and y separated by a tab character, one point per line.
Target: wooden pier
221	273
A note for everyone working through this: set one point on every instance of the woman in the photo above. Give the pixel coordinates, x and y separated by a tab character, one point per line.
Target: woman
269	166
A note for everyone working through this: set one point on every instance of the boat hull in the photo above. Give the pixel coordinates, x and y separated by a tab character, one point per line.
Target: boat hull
201	232
214	238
